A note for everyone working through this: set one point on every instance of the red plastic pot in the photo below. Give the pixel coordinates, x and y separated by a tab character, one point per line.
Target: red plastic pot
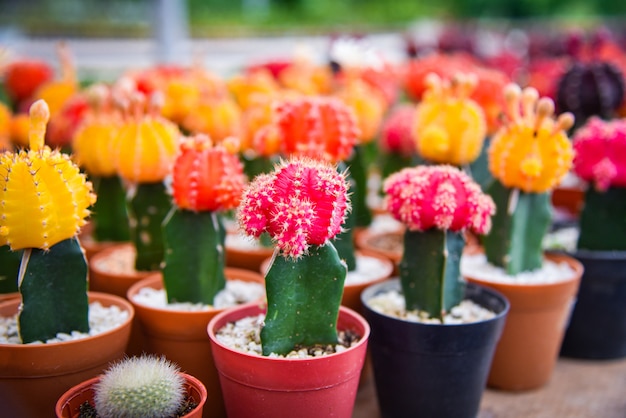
258	386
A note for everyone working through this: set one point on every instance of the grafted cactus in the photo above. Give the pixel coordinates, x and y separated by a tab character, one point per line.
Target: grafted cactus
206	180
396	140
326	129
139	387
528	157
217	117
450	128
45	201
94	144
600	148
437	204
301	205
146	148
590	88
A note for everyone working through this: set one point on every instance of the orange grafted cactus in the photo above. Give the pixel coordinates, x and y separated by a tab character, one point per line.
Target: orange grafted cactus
317	127
368	105
207	177
450	127
43	195
146	143
531	151
217	117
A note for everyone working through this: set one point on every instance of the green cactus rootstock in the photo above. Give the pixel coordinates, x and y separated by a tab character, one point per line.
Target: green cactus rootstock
9	268
302	303
518	228
53	301
148	205
358	188
194	256
432	281
603	220
110	217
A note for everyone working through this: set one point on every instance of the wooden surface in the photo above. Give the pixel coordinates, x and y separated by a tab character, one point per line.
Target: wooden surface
577	389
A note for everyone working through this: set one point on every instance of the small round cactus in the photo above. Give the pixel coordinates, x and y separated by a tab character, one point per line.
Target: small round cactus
437	203
301	205
532	151
600	148
139	387
218	118
319	127
450	128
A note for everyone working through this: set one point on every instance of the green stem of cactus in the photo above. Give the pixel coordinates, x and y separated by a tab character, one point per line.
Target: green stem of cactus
603	220
109	216
479	168
53	285
253	166
392	163
148	204
344	242
430	271
358	189
194	256
303	299
518	228
9	268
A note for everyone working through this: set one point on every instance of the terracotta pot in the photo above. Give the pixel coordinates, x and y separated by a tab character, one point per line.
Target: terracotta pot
182	336
33	376
112	270
258	386
69	403
529	347
388	244
569	199
246	258
91	246
432	370
597	329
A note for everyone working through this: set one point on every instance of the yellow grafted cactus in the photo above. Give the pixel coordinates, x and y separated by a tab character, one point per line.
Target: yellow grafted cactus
369	107
531	152
146	145
450	128
43	196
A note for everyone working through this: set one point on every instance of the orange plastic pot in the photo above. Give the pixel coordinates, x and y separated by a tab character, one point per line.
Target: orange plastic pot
258	386
181	336
389	244
33	376
529	347
246	258
68	405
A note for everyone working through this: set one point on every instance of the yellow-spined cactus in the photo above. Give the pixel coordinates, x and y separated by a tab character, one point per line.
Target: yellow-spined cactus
532	151
44	200
44	197
450	128
528	157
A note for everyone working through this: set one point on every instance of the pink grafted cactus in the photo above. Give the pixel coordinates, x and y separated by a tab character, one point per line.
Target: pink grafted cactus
207	177
302	203
600	153
397	131
441	197
318	127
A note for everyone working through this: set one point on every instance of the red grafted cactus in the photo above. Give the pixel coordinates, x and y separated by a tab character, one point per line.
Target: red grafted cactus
437	203
302	205
441	197
600	153
207	177
318	127
304	202
397	131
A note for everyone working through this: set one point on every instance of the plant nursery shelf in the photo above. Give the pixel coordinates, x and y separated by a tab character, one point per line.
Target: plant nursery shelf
577	389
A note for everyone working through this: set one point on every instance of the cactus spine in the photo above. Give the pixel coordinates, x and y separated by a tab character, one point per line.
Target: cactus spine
599	147
302	205
207	179
528	157
436	203
44	200
139	387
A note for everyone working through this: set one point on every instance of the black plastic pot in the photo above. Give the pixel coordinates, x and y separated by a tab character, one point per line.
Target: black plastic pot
432	370
597	328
